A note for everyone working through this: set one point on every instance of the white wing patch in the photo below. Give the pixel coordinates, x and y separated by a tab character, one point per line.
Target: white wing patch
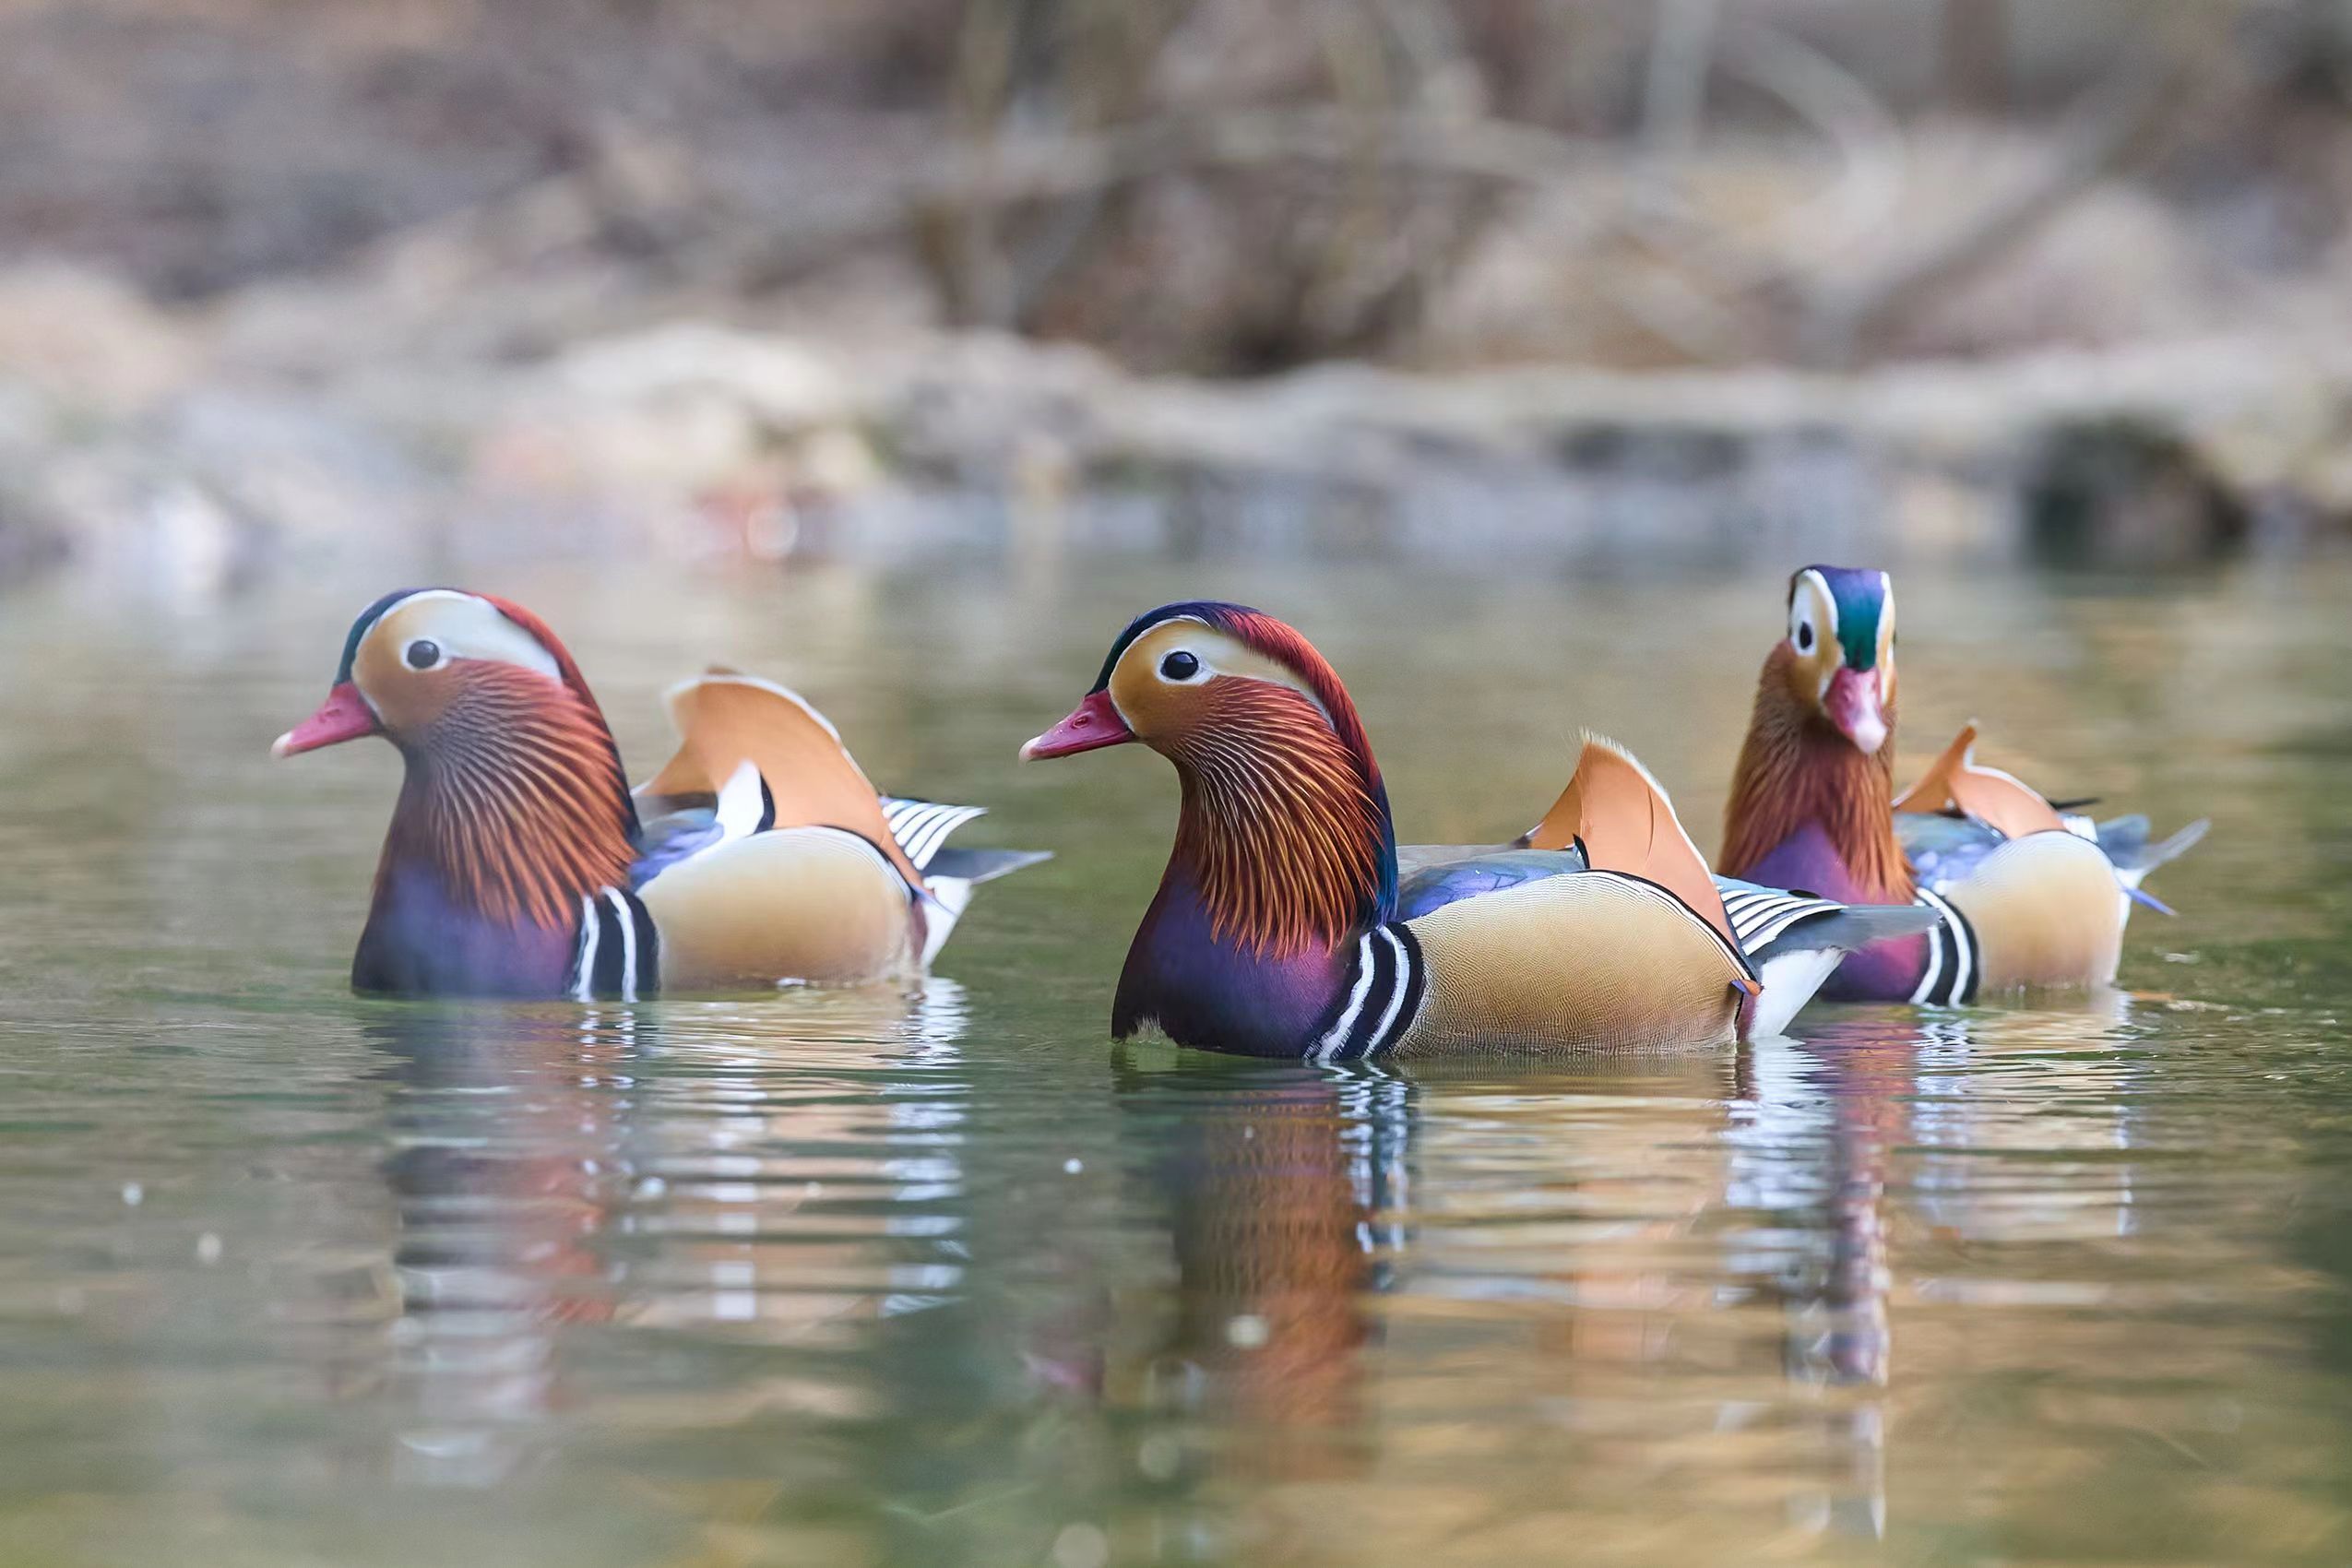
746	807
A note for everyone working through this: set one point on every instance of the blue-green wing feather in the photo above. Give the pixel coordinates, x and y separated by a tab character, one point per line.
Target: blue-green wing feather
1432	876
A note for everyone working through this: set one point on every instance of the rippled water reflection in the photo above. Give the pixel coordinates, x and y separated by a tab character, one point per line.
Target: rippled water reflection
943	1277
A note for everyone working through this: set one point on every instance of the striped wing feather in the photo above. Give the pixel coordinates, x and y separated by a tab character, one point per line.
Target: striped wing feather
920	828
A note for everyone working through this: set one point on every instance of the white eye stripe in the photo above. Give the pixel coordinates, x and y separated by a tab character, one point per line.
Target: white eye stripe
1810	603
1220	655
460	625
1829	600
1802	634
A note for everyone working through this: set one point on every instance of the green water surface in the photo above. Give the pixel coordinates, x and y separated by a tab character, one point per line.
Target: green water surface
288	1277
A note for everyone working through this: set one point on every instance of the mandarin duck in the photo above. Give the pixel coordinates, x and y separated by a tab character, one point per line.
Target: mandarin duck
519	863
1288	923
2026	895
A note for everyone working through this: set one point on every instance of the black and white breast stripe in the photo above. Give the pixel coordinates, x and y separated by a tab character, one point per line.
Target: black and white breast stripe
1384	995
1952	963
921	827
1759	915
619	955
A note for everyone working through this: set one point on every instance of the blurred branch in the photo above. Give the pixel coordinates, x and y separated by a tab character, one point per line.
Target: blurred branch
1033	168
1393	239
955	238
1448	80
1973	51
1866	135
1355	48
1115	46
1674	87
1446	74
2111	118
1868	141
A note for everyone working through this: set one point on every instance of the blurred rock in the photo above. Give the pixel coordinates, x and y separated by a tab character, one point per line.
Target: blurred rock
697	439
2117	492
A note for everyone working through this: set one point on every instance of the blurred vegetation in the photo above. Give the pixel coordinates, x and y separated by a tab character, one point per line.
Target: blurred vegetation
1228	187
1206	188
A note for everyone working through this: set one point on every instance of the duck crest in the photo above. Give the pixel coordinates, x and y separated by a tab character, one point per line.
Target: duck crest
514	799
1795	772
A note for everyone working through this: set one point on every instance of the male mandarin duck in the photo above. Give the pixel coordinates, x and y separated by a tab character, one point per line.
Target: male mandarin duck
519	864
1290	924
2025	894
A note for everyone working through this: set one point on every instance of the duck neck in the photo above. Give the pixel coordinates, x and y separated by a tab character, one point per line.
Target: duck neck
1810	809
513	811
1285	854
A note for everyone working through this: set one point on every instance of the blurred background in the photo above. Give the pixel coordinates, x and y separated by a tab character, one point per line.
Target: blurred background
900	349
410	285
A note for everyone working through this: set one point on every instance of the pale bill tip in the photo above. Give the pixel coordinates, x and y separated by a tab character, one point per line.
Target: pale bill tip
282	747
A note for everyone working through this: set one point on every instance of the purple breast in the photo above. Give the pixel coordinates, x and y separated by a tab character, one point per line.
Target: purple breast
1884	971
419	942
1214	995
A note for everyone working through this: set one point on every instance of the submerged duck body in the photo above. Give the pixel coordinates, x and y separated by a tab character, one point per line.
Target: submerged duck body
2025	895
1287	924
518	862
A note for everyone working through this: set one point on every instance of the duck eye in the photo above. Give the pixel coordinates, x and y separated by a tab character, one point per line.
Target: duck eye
1804	637
1179	666
423	654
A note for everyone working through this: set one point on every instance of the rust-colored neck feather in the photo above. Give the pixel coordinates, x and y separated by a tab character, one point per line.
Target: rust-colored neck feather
1796	768
514	796
1284	830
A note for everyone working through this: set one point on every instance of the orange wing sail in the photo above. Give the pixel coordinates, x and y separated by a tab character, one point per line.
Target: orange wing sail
1628	824
725	719
2000	802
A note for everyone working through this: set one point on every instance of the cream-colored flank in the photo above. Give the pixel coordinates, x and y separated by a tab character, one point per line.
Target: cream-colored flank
1573	963
814	904
2045	911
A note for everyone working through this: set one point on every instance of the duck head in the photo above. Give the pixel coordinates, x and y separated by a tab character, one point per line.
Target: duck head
1283	833
515	805
1810	799
1838	662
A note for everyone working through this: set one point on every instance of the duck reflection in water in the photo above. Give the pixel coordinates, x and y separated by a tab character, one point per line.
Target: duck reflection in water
1281	1186
1846	1124
1812	1133
504	1128
559	1172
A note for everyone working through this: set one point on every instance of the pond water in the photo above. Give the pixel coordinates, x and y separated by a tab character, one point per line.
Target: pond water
288	1277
